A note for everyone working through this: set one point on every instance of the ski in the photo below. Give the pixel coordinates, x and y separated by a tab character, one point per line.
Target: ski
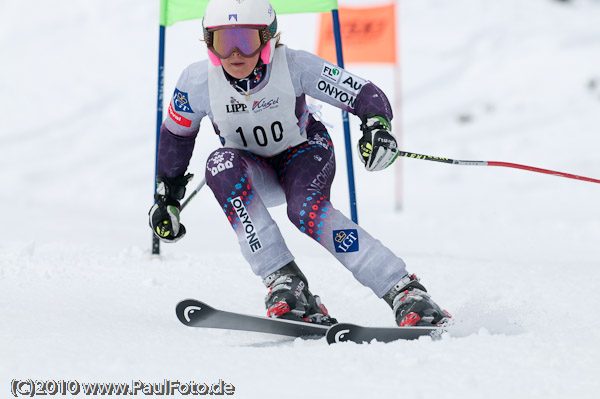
345	332
194	313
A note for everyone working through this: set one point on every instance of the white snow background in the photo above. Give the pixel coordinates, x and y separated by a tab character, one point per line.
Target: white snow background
513	255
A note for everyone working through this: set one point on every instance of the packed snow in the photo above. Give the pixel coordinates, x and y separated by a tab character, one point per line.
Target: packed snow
513	255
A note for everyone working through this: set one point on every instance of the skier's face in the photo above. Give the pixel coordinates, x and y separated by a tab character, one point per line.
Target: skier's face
239	66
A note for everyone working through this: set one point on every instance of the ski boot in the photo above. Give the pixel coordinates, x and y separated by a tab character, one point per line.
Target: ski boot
289	297
413	306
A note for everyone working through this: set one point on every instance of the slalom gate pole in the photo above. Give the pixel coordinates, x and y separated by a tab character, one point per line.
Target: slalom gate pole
159	114
492	163
193	194
346	122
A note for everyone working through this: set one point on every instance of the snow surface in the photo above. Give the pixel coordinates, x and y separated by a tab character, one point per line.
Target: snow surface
513	255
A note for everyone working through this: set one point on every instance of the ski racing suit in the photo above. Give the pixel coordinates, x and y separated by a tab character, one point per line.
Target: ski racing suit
275	151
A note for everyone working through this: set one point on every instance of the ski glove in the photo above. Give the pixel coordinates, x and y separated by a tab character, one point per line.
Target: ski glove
164	214
377	147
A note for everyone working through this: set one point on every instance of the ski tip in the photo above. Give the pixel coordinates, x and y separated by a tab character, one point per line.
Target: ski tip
344	332
190	310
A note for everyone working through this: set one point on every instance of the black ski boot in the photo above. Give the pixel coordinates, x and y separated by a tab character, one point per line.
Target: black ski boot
413	306
289	297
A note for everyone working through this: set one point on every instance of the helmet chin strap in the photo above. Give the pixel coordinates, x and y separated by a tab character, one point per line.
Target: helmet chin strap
266	54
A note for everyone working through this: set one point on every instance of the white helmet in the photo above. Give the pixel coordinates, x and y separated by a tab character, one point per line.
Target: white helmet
241	13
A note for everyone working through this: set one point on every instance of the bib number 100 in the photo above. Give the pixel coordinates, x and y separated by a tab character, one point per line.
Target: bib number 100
260	134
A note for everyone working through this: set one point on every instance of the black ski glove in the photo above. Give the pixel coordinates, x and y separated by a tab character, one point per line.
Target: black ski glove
164	214
377	147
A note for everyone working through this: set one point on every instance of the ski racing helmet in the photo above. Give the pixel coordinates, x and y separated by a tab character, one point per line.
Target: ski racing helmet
246	26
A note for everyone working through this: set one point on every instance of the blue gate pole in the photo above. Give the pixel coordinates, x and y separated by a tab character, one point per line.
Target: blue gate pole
349	165
159	117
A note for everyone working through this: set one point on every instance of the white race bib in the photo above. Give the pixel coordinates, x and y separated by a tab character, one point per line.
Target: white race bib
265	123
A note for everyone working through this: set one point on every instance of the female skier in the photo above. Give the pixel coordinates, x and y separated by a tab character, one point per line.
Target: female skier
273	151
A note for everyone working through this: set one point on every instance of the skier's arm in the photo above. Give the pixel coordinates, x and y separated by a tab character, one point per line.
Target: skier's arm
180	128
174	152
175	147
326	82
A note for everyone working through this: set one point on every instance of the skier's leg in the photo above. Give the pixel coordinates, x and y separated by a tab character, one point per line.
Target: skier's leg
290	298
307	173
412	304
242	183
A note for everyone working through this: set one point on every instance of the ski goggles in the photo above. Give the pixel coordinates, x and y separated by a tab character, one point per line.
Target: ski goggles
225	41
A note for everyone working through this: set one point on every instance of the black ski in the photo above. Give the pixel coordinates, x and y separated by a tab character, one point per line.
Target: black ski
343	332
194	313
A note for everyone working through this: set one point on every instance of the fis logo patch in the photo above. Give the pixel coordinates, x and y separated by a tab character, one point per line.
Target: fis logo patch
345	240
330	72
181	102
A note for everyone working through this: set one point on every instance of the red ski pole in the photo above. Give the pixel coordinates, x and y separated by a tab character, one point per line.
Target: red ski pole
492	163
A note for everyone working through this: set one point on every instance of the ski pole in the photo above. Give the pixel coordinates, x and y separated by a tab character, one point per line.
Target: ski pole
492	163
193	194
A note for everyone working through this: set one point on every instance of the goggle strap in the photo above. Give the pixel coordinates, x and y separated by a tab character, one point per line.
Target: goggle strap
266	33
